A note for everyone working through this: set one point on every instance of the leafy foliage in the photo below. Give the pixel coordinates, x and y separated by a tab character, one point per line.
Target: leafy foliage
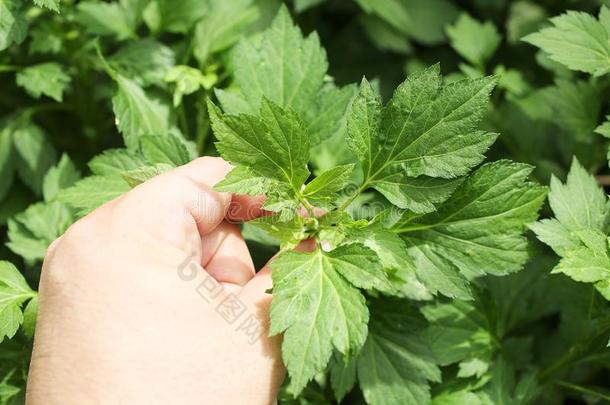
416	181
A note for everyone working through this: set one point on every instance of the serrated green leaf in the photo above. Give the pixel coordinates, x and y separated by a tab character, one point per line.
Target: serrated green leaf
580	204
166	149
14	291
115	162
392	252
241	180
221	26
145	61
474	41
138	176
50	4
577	40
459	332
179	17
342	376
35	154
425	130
137	114
395	363
32	231
110	19
424	20
91	192
13	23
289	70
30	314
576	107
274	145
326	185
478	231
360	266
63	175
318	311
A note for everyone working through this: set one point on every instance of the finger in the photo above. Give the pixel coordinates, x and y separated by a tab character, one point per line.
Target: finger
181	198
225	255
245	208
262	281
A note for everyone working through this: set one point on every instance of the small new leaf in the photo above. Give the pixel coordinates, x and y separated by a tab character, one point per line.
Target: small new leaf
475	41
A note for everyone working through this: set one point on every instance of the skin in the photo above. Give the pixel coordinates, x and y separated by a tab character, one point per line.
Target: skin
132	301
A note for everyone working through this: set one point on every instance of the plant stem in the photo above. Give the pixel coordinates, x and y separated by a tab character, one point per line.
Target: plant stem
351	199
581	389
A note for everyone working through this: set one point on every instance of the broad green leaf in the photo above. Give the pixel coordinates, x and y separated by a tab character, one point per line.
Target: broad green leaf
14	291
427	130
63	175
137	114
474	41
477	231
11	278
395	364
223	23
145	61
576	106
423	20
30	314
44	39
138	176
13	23
505	388
577	40
168	149
115	162
342	376
360	266
302	5
524	18
274	145
50	4
289	70
110	19
392	252
587	263
317	309
290	233
8	391
91	192
459	332
32	231
179	17
456	398
385	36
242	180
579	231
35	154
579	205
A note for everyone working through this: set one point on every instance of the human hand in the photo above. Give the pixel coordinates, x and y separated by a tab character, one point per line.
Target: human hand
153	298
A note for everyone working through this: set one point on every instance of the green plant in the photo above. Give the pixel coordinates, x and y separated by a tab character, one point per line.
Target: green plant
424	285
